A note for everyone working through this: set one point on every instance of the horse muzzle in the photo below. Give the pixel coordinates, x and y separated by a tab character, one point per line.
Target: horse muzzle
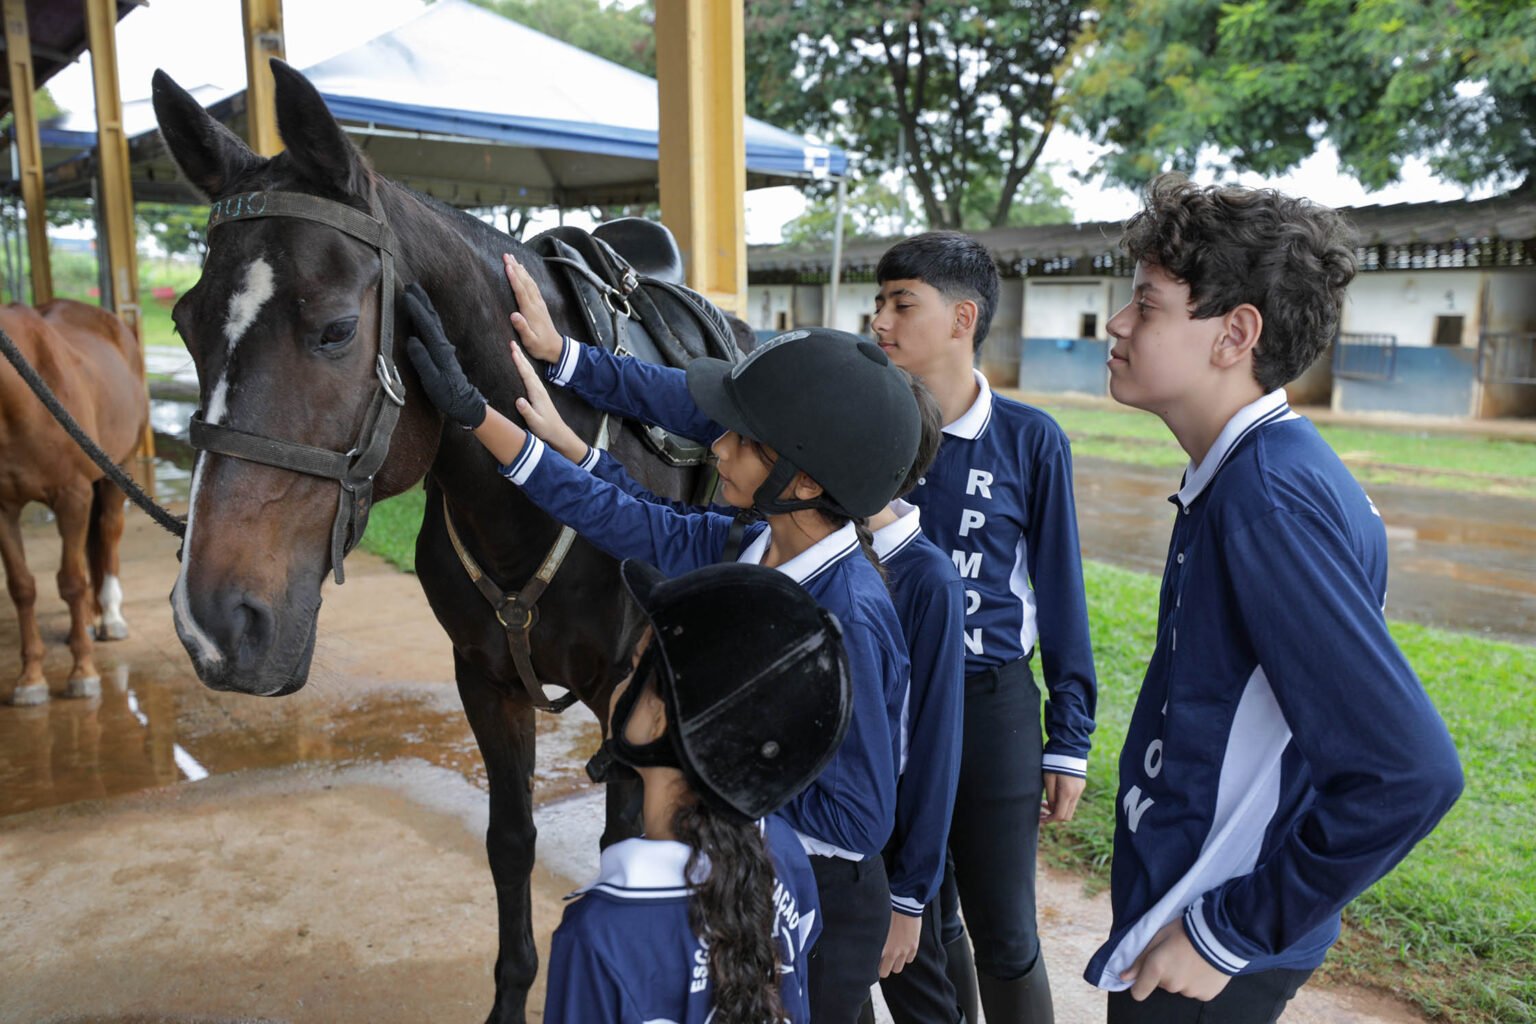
239	643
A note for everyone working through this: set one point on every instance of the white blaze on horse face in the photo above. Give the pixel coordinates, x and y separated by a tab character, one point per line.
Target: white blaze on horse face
244	304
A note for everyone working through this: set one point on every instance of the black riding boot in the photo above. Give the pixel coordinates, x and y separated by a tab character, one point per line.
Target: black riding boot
960	966
1024	1000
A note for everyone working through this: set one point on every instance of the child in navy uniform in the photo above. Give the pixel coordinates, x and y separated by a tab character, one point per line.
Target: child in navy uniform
998	500
1282	755
816	431
739	697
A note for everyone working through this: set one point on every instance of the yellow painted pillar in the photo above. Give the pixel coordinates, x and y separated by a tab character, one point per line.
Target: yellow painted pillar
263	40
18	59
116	192
702	96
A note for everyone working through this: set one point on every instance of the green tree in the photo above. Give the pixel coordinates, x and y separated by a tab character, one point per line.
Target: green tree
953	90
874	210
1263	82
180	229
623	34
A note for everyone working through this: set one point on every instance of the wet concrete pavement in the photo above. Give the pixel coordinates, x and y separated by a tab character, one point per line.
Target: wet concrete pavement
175	854
171	854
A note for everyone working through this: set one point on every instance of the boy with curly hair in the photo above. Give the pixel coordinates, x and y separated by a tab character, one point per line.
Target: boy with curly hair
1282	755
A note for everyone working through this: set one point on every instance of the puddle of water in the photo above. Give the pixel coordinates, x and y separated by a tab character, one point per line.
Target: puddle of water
143	733
1457	561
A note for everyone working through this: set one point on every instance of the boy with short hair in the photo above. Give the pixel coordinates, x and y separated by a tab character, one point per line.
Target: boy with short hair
998	500
1282	755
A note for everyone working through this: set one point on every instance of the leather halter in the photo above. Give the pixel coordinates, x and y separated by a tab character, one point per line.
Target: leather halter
354	470
518	611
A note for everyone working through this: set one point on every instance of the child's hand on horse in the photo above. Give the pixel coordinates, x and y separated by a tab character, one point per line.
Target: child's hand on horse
535	327
438	366
543	419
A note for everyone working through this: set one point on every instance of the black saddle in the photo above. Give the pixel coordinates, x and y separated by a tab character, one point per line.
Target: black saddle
628	277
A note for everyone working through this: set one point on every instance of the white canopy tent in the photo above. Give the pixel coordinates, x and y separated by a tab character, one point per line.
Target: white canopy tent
476	110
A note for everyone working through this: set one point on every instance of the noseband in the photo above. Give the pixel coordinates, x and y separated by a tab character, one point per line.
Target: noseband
354	470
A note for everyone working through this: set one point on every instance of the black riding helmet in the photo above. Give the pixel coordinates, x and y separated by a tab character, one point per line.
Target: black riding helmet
829	403
754	678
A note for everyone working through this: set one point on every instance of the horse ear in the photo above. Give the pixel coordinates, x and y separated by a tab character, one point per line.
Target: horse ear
320	150
210	156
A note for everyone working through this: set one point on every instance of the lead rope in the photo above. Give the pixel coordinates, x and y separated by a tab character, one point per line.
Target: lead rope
175	524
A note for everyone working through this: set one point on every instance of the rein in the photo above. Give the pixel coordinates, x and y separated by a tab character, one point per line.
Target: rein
353	470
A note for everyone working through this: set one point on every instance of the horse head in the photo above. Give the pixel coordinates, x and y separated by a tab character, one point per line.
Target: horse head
290	330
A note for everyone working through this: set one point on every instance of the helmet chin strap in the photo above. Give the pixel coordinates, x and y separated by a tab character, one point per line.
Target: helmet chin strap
767	499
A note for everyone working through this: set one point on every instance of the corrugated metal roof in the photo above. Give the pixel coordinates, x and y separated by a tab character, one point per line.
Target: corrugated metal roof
1508	217
58	39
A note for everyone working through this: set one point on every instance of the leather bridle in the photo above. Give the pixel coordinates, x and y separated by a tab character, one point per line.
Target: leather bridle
353	470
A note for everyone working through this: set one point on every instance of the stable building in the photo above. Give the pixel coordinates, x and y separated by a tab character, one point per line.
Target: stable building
1440	321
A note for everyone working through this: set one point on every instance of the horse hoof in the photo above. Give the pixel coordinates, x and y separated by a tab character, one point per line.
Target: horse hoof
85	686
30	695
112	631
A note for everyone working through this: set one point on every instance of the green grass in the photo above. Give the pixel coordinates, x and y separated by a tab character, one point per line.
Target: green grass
392	528
74	275
1453	928
1423	458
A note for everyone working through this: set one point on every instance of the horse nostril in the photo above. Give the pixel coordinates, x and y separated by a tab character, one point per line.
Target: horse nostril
249	627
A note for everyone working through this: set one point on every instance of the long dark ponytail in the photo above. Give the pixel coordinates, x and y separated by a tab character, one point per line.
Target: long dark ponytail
731	911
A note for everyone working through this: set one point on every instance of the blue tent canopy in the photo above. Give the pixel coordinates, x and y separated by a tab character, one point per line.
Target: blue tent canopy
479	110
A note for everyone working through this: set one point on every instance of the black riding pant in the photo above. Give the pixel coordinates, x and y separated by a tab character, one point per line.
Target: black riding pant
855	919
996	824
1247	999
922	992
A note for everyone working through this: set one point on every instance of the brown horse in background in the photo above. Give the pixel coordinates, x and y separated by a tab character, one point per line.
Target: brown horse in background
92	362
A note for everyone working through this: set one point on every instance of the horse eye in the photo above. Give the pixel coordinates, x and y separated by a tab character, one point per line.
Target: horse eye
338	332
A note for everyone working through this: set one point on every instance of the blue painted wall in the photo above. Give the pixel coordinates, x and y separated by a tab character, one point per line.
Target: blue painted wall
1426	382
1064	364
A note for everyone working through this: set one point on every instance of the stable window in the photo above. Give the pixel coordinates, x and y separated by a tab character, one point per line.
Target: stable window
864	323
1088	325
1448	330
781	320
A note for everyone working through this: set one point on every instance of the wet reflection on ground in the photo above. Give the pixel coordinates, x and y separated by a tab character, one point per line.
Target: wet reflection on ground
1465	562
145	732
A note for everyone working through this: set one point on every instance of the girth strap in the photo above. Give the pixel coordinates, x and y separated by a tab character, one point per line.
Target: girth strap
518	611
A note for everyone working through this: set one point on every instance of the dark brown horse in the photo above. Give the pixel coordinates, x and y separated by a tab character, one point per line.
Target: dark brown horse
91	361
284	327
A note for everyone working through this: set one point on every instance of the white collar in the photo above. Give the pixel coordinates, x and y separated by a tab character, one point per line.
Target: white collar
1271	408
811	562
973	422
644	869
893	537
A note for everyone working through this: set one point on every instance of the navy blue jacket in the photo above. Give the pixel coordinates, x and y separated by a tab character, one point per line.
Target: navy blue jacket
1282	755
998	500
625	953
850	809
924	587
930	602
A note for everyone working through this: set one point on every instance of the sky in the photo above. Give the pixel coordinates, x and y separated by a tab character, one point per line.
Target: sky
199	42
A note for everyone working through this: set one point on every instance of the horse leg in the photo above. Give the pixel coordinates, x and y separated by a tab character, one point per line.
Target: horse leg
504	730
106	534
31	687
73	507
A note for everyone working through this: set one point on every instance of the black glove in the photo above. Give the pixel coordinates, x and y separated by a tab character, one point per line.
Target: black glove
438	367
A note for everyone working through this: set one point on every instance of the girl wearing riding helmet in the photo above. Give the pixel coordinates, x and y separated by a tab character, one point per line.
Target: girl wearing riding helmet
817	430
930	604
738	698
